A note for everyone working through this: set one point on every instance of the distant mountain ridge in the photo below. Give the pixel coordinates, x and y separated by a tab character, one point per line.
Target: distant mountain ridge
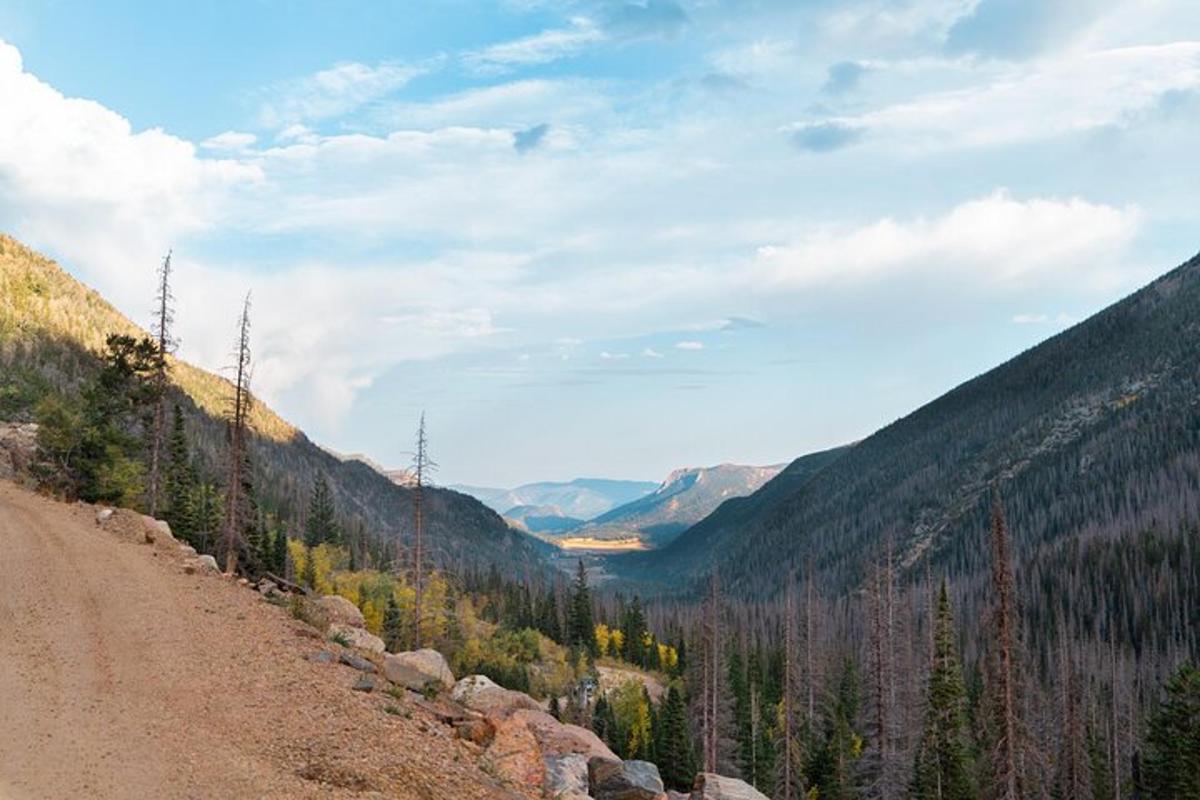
52	329
683	499
582	498
1094	432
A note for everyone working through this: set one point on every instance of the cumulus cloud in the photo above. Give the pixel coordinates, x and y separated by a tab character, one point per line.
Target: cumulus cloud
229	140
332	92
80	181
994	242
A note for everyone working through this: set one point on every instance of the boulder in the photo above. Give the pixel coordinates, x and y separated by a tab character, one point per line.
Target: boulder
674	795
154	529
267	588
340	611
624	780
321	657
481	694
365	683
513	756
710	786
558	739
416	669
566	777
187	551
357	638
207	562
356	662
104	515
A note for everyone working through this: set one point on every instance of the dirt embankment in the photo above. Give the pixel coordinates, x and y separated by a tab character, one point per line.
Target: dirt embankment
122	677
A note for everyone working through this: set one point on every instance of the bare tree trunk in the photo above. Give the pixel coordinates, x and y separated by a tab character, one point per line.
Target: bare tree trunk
1004	756
234	499
162	334
422	466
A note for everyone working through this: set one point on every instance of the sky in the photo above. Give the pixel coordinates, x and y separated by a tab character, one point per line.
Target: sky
605	238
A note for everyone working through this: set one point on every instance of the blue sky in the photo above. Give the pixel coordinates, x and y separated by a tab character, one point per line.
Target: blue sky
606	237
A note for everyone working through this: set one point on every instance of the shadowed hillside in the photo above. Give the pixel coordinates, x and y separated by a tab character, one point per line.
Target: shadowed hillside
52	329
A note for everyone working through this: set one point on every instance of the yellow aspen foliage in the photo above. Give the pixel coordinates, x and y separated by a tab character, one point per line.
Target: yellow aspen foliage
373	617
617	638
434	619
668	657
602	637
640	733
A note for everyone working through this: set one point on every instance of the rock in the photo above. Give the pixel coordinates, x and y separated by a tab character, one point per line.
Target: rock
207	562
674	795
189	568
418	668
104	515
357	637
566	777
187	550
154	529
267	588
321	657
481	694
243	582
710	786
480	732
624	780
340	611
365	683
558	739
357	662
513	756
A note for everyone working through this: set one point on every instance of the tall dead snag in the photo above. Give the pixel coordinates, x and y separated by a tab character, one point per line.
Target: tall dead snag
164	315
790	772
236	501
422	466
1002	701
711	676
882	652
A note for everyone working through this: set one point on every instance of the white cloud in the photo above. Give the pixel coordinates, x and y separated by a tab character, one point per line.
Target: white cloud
689	345
995	241
332	92
80	181
540	48
650	352
229	140
1053	97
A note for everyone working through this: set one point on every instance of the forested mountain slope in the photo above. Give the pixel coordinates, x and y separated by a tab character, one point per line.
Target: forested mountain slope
1094	432
52	329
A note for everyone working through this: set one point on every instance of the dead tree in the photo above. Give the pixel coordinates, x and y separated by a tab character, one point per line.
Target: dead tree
422	467
164	315
238	416
791	769
711	676
1003	757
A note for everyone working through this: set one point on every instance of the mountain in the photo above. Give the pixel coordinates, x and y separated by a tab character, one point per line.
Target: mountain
542	519
1093	435
582	498
683	499
52	329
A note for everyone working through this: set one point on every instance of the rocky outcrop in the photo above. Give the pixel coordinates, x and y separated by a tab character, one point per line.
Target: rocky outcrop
624	780
555	738
340	611
709	786
417	669
357	638
480	693
514	756
566	777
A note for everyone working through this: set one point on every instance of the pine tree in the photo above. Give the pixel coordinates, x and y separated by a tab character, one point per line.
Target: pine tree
832	768
393	626
604	724
280	555
943	768
164	316
1004	778
581	627
676	756
321	527
180	482
633	626
1171	769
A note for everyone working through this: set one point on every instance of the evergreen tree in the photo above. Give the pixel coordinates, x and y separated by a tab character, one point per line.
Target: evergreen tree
308	575
581	627
943	768
831	769
555	709
393	626
604	724
1171	769
321	526
676	755
280	555
633	628
180	482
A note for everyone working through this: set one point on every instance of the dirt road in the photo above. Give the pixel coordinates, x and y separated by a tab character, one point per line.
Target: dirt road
121	677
